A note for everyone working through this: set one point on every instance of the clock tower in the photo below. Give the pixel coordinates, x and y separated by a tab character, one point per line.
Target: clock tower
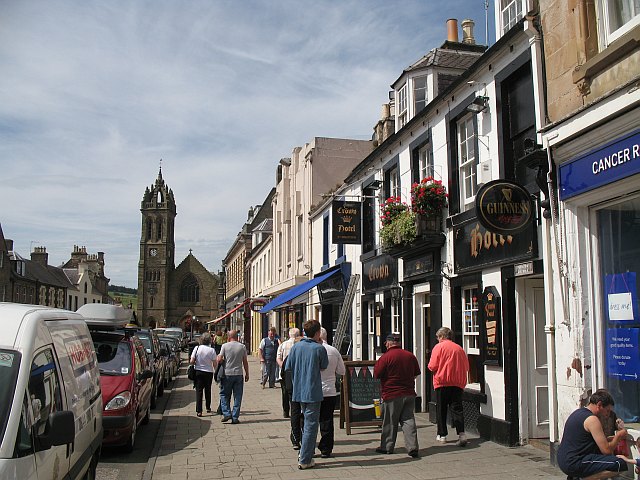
157	252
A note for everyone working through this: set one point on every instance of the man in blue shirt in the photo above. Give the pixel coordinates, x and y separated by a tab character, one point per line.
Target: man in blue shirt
305	360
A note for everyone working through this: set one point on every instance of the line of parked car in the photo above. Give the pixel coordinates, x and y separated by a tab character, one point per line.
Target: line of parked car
73	382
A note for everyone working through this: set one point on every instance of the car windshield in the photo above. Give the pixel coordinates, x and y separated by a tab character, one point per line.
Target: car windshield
174	333
9	366
114	355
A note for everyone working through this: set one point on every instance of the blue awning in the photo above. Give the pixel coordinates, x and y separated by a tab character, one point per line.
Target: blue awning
296	291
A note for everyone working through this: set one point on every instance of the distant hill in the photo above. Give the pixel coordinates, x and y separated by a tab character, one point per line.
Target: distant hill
119	289
126	296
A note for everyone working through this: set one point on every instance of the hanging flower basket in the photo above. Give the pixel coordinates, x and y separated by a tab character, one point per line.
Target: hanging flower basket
391	209
428	197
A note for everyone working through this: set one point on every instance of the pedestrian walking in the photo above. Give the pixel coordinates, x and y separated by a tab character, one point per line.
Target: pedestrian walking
329	394
234	356
203	358
281	356
268	349
218	340
450	366
397	370
305	361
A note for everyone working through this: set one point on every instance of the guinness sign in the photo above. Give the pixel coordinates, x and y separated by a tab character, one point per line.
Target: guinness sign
504	207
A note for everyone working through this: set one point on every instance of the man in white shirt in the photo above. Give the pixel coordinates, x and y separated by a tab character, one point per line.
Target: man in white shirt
281	355
329	393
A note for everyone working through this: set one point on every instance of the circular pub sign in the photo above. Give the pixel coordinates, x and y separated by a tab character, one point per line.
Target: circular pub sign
257	304
504	207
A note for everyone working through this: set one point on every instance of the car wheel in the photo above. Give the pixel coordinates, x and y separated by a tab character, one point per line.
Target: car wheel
147	416
128	447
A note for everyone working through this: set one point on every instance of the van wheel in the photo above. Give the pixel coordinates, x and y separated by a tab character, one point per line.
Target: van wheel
128	447
147	415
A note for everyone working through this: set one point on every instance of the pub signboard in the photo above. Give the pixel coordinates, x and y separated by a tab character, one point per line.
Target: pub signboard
346	220
492	314
418	266
379	273
504	207
476	247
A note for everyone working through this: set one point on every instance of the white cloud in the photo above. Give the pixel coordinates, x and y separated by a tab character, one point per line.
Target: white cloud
94	93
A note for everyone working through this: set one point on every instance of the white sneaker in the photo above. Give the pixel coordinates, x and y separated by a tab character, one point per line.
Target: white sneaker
441	439
462	440
304	466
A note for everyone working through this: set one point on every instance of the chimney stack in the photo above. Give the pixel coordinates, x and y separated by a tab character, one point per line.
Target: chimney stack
467	32
40	255
452	30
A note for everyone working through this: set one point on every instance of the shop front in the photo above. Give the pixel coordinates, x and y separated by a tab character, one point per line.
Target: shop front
599	185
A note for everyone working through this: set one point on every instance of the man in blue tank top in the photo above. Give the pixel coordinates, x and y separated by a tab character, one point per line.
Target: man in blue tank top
585	452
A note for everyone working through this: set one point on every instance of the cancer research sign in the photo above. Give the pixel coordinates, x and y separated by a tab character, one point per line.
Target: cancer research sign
614	161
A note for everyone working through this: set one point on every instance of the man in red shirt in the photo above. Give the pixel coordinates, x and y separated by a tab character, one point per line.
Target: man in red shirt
450	365
397	370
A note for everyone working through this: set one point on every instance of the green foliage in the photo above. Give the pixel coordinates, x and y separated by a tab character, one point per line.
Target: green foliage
391	208
400	231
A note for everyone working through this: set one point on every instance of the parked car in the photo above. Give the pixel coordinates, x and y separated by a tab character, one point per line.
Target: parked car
178	334
156	361
171	351
126	377
50	388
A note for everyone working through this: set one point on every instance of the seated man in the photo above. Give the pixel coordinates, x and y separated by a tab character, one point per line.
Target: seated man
584	451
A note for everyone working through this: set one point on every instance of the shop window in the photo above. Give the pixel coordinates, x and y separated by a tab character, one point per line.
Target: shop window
469	297
619	255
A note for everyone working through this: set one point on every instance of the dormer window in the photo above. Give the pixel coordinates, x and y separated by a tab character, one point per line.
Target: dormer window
617	17
419	93
511	13
402	106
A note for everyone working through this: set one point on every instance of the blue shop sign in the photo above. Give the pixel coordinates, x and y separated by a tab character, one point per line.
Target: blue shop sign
623	353
614	161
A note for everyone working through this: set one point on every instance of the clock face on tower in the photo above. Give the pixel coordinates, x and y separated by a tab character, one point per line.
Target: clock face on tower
153	252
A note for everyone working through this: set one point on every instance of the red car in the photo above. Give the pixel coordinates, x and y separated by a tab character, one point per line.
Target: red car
126	381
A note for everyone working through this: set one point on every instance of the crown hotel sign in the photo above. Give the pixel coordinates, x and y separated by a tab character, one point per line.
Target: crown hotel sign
504	207
346	222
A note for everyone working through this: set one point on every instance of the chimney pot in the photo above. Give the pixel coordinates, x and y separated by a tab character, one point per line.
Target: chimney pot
452	30
467	31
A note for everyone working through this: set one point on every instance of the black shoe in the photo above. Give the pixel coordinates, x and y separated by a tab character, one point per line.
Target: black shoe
296	446
235	421
382	451
208	410
414	454
286	415
226	419
325	454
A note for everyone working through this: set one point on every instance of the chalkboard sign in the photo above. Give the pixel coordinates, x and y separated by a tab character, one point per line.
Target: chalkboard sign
492	325
361	393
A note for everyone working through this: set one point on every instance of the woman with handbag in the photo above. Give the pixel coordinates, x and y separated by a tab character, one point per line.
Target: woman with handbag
203	359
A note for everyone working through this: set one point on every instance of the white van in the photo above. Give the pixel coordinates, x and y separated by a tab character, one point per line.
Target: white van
50	399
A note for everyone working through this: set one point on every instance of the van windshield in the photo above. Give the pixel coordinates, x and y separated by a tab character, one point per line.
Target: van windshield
114	356
9	366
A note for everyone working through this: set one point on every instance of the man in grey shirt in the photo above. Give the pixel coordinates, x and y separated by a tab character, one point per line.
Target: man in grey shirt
234	356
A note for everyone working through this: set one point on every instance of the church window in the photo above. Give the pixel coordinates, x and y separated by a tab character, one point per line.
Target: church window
190	290
159	229
149	224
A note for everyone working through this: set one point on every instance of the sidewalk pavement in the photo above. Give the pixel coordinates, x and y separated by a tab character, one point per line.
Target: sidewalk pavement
188	447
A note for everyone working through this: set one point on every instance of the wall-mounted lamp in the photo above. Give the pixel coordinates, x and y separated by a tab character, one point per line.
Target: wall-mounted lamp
479	104
375	185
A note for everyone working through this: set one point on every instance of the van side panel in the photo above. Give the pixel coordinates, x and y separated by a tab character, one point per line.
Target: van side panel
81	377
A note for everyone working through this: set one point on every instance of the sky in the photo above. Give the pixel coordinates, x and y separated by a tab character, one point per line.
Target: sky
93	94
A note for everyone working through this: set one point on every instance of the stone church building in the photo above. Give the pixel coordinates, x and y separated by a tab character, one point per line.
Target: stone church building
170	295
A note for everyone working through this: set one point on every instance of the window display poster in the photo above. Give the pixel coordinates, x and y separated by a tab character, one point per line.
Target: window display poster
621	297
623	353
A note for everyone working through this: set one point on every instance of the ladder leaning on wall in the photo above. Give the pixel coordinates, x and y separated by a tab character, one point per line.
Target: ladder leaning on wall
345	311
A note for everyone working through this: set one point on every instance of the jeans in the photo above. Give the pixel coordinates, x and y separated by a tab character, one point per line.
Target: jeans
311	413
231	384
399	411
449	397
269	372
203	383
327	408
